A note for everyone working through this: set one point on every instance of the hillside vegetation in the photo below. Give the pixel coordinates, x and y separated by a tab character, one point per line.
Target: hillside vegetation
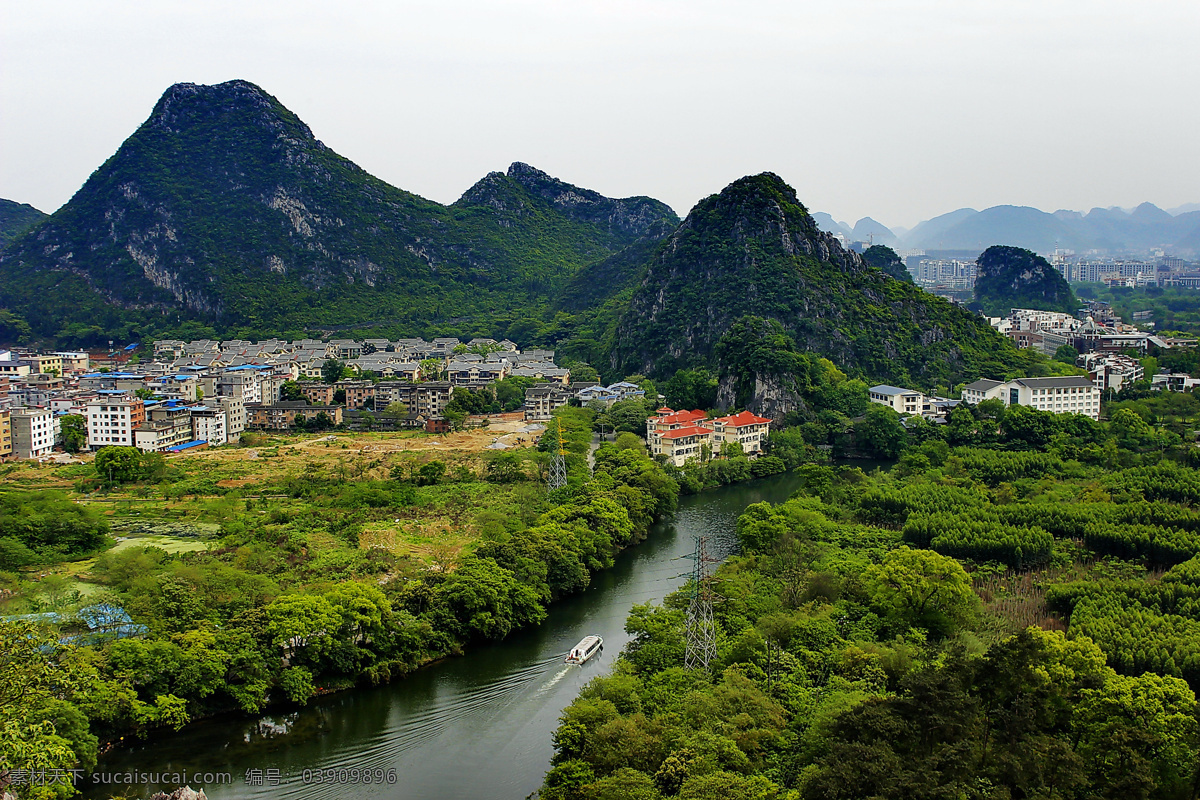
223	209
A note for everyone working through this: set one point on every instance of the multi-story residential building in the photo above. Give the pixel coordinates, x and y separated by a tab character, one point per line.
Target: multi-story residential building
73	363
209	424
904	401
543	400
243	383
235	415
427	399
282	415
682	435
476	373
320	394
48	363
6	443
183	388
166	425
1174	381
11	366
1066	395
681	445
542	371
357	392
1112	370
746	429
112	421
35	431
168	349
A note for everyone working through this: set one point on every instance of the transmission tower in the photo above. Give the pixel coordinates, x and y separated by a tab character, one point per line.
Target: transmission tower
558	464
700	629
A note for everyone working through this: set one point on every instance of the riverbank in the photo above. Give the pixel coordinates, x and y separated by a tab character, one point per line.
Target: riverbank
494	708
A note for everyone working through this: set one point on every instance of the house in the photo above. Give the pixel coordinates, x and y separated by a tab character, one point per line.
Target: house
903	401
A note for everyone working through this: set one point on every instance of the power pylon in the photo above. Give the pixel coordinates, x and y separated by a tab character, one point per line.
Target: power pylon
700	629
558	464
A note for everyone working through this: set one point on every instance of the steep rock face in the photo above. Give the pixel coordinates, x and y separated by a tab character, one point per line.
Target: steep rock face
1010	277
754	250
770	398
223	207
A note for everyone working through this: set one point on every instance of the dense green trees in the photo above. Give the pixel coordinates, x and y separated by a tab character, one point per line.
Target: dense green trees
45	527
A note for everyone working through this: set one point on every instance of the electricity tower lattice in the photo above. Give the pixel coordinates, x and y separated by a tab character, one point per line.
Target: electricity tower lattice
558	465
699	628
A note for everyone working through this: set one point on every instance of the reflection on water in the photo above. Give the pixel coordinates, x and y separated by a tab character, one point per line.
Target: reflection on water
477	726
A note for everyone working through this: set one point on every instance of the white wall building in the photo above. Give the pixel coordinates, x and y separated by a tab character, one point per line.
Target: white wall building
34	432
904	401
1067	395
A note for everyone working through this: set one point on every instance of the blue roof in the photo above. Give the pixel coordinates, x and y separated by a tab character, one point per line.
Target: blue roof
103	615
133	346
187	446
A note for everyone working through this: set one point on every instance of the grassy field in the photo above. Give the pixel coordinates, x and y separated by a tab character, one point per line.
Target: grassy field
184	512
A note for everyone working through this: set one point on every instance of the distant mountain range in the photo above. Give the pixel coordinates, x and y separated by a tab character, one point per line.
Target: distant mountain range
1111	230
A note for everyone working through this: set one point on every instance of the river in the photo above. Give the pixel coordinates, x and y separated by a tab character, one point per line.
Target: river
477	726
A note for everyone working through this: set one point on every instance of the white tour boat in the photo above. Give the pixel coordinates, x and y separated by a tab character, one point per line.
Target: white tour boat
588	646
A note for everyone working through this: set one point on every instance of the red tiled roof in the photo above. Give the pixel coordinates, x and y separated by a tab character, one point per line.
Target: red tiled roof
680	417
744	418
691	430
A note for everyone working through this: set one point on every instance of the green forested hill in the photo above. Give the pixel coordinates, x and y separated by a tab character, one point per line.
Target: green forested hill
15	219
1011	277
754	250
223	209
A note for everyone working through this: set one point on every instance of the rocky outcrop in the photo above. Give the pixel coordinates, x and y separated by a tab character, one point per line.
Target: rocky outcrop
183	793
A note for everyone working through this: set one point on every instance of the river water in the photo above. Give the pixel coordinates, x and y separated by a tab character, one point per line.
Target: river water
478	726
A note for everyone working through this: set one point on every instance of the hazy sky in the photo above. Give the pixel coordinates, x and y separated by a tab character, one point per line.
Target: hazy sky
897	110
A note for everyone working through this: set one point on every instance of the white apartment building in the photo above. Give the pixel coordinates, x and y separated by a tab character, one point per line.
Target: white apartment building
34	432
112	421
209	425
1068	395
